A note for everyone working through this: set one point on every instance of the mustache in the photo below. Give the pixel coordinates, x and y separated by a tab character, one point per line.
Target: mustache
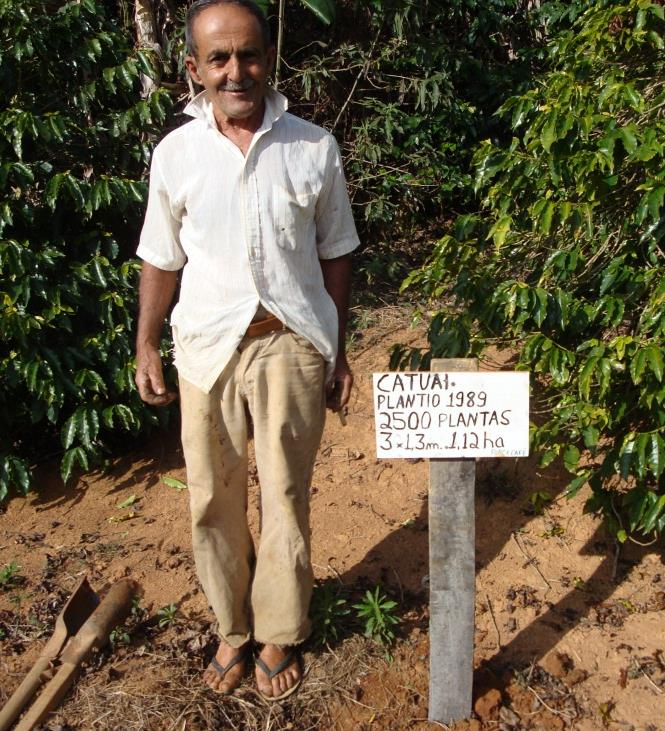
237	86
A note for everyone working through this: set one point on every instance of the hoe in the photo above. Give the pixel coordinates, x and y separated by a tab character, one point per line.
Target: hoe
83	624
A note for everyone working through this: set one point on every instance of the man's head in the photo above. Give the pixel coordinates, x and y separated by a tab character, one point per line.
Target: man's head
197	7
231	56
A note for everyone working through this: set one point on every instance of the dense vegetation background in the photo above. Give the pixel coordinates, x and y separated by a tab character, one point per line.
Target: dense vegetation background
505	157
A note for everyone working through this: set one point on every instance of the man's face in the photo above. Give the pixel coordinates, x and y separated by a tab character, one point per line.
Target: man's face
231	62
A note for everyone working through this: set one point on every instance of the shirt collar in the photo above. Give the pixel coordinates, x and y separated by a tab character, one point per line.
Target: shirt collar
276	105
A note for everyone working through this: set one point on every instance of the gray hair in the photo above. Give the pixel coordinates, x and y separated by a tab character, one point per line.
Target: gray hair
197	7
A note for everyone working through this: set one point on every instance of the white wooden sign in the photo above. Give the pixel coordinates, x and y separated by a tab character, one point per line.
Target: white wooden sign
452	415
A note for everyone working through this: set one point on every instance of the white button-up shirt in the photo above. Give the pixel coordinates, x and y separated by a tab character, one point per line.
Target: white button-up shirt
248	231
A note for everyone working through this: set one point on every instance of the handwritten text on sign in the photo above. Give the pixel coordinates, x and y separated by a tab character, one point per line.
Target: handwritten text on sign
460	414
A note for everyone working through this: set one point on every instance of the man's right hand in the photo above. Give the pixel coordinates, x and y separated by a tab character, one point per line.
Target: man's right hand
150	379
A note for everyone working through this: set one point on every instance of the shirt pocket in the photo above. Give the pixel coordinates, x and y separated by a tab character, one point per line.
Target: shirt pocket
293	216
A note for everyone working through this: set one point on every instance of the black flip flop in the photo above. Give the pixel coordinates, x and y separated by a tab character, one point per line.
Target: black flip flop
221	670
291	656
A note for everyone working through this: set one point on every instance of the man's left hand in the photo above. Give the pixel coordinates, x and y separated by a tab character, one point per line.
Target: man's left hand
338	390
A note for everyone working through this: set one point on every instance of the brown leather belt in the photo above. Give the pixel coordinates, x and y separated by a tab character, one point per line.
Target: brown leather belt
263	327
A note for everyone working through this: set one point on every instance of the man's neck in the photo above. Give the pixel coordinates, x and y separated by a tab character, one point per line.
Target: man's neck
240	131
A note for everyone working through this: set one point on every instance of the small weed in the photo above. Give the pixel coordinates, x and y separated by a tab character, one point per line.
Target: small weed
328	610
538	501
108	549
36	622
605	712
553	532
137	611
119	637
18	599
579	583
627	604
167	615
634	671
376	613
9	575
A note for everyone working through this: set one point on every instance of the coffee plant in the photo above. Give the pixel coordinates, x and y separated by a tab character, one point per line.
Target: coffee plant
565	260
74	147
408	89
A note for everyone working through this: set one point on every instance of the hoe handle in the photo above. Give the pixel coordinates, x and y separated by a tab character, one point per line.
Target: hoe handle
94	633
23	693
54	692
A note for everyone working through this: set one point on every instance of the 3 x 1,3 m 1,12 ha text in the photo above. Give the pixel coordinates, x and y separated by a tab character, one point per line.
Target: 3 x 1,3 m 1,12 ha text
418	441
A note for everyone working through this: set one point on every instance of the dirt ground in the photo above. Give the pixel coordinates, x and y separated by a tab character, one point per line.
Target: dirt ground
570	633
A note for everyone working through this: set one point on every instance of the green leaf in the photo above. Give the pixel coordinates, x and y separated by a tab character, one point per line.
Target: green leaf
52	189
75	191
656	456
586	376
652	515
641	444
87	425
68	432
638	364
174	482
633	97
98	272
575	485
590	435
548	133
323	9
655	201
655	357
18	473
128	502
72	457
627	137
656	39
499	231
548	457
107	416
571	458
543	212
126	416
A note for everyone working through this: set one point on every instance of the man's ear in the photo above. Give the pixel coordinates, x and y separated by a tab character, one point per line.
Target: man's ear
190	63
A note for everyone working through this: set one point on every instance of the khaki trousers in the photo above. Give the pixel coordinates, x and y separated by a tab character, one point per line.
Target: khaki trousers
279	379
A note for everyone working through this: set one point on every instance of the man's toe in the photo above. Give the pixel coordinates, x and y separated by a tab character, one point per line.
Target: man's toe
226	669
272	661
265	686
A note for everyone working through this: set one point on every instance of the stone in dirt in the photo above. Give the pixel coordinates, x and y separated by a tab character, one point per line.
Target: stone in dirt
487	705
557	664
576	676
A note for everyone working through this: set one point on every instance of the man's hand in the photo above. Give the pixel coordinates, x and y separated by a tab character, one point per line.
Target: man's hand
337	281
150	379
155	294
338	390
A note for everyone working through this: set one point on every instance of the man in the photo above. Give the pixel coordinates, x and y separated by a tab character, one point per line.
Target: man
252	202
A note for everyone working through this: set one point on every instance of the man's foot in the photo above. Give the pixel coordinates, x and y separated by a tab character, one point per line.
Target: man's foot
278	672
226	669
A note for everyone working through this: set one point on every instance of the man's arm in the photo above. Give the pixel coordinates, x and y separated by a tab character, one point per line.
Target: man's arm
337	281
155	295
